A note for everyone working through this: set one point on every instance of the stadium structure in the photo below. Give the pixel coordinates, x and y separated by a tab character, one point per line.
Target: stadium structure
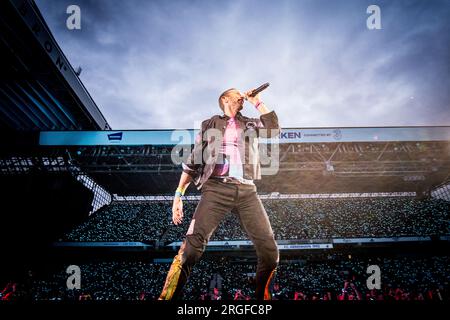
77	192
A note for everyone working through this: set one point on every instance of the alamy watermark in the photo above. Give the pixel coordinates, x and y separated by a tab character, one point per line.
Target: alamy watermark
373	22
74	279
73	21
374	280
209	144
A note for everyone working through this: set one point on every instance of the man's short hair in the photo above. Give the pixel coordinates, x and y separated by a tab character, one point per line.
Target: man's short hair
223	95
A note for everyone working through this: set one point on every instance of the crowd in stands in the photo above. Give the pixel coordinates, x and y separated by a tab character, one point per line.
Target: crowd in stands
335	278
125	221
290	219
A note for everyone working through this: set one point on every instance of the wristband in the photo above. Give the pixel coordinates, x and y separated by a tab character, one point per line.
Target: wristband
180	192
258	104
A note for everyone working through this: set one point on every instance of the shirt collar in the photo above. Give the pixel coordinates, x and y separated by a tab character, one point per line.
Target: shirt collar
238	116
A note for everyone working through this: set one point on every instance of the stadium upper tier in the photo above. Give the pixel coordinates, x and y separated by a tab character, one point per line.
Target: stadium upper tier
320	160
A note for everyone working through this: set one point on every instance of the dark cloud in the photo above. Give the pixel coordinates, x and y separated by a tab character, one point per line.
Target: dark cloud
147	62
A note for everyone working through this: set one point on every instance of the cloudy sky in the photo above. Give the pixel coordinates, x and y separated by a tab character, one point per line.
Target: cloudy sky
162	64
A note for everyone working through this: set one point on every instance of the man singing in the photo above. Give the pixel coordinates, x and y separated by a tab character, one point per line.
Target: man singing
223	164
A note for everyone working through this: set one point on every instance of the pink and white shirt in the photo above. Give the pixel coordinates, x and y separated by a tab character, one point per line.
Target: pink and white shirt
230	151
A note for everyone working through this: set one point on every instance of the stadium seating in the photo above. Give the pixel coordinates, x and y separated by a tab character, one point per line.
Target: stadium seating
290	219
404	278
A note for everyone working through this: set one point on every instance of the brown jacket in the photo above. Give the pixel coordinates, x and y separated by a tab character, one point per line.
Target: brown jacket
203	158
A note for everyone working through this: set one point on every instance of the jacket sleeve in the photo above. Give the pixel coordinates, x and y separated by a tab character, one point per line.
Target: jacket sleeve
268	125
194	164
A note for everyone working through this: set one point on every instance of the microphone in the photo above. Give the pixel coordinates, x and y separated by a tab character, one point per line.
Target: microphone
259	89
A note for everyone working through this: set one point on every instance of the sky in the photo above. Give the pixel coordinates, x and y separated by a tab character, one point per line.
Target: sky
163	64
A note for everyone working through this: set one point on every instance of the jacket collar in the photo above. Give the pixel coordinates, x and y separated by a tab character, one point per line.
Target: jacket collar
225	117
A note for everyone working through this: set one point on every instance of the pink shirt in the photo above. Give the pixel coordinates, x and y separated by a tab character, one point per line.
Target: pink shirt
232	165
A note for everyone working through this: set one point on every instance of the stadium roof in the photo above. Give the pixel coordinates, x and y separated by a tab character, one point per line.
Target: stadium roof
171	137
39	89
311	160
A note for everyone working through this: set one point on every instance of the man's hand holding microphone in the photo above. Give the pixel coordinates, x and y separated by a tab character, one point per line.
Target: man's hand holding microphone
254	98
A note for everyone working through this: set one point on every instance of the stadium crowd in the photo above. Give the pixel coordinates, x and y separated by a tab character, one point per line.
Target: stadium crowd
335	278
290	219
